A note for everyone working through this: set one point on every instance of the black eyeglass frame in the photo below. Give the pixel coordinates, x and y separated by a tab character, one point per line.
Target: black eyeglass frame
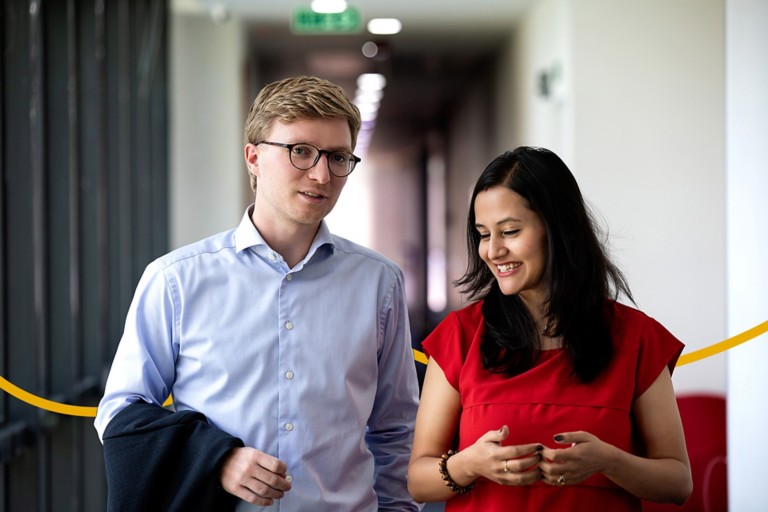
354	160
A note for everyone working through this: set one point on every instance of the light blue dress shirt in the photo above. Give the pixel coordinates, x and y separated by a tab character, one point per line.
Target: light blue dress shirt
312	365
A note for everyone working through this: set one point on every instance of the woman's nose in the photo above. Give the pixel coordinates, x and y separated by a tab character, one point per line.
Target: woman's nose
496	247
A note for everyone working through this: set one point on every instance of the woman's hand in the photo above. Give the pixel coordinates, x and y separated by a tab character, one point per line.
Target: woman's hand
583	456
505	465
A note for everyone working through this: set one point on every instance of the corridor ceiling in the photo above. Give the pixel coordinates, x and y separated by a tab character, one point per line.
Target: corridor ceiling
443	46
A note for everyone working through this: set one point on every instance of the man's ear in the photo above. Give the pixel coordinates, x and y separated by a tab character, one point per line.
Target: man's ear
251	153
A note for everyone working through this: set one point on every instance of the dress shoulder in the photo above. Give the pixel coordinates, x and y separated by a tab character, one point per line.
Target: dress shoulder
449	343
650	343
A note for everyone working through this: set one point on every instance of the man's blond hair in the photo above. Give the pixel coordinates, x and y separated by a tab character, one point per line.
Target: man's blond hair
295	99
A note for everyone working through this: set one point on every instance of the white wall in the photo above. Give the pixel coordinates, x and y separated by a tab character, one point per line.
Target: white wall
639	119
540	45
207	170
747	197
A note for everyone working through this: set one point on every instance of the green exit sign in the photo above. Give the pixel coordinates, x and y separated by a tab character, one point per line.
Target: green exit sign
307	21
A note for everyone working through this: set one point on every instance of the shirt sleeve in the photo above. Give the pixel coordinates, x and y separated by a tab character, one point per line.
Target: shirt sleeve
658	348
390	427
143	367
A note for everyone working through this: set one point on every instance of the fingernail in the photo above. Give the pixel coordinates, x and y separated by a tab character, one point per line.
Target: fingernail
558	438
539	448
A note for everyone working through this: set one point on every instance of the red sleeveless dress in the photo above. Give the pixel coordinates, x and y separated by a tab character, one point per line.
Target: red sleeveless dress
547	400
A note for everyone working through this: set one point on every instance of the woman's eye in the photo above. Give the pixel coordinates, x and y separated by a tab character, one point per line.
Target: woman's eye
511	232
484	236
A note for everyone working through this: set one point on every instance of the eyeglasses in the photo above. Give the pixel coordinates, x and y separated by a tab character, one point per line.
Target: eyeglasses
305	156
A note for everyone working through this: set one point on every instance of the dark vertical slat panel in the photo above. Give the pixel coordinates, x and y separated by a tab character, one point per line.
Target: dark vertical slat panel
77	103
116	212
57	166
73	188
158	149
21	350
92	458
89	151
63	444
3	297
102	206
39	240
3	234
125	149
142	207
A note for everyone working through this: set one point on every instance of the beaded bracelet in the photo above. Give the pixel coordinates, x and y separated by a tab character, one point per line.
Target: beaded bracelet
442	466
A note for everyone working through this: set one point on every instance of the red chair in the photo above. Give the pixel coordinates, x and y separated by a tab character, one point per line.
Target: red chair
703	418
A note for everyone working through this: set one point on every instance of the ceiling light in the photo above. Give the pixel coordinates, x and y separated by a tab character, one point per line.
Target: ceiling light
371	82
384	26
369	96
370	49
329	6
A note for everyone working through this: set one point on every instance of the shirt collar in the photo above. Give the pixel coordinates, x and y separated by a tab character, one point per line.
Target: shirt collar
246	235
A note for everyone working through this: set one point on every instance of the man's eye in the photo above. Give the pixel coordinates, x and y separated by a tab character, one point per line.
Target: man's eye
340	158
301	150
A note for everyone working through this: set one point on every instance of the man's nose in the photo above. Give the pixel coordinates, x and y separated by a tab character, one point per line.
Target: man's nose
321	171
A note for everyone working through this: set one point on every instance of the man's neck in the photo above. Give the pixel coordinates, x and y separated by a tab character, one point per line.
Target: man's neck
291	241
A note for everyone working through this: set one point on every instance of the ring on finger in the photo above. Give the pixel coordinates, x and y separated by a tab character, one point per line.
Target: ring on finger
506	469
560	480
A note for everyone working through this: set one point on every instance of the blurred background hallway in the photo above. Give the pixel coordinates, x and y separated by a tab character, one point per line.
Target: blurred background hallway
121	138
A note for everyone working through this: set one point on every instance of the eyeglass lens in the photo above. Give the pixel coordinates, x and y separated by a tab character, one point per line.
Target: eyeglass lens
304	156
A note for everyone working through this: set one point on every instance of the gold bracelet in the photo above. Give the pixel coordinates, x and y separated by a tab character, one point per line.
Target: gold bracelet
442	466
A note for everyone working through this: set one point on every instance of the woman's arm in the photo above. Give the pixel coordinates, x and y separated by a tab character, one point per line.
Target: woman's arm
662	475
437	422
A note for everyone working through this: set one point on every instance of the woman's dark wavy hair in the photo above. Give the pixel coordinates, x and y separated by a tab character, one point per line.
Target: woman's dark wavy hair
579	275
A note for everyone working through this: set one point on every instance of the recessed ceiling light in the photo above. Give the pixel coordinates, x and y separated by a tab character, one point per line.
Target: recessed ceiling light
371	81
369	95
329	6
370	49
384	26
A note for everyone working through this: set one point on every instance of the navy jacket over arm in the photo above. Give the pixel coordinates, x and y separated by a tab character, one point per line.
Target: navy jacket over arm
157	459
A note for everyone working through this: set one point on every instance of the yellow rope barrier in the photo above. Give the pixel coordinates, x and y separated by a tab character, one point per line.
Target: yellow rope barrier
723	345
42	403
420	357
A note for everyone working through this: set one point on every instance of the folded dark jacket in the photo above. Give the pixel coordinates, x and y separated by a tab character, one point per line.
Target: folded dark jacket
167	461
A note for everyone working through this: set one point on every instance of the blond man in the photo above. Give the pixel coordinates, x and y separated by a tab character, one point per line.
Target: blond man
286	348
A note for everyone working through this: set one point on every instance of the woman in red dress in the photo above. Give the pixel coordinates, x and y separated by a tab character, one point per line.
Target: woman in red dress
545	393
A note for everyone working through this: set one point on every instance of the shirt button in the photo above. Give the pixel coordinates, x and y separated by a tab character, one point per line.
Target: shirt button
288	325
289	277
289	478
289	426
289	374
272	256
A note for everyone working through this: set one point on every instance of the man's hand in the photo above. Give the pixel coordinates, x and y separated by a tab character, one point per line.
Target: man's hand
254	476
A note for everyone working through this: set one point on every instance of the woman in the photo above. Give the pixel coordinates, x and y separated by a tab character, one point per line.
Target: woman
555	396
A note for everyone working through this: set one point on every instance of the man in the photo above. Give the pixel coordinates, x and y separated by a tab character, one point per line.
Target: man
288	339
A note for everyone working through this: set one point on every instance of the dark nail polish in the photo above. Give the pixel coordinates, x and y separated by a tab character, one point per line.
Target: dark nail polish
558	438
539	448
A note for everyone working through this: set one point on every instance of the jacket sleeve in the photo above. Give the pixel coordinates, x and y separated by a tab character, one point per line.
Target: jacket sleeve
157	459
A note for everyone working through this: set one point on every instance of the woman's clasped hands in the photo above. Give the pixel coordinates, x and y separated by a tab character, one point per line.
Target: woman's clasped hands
526	464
